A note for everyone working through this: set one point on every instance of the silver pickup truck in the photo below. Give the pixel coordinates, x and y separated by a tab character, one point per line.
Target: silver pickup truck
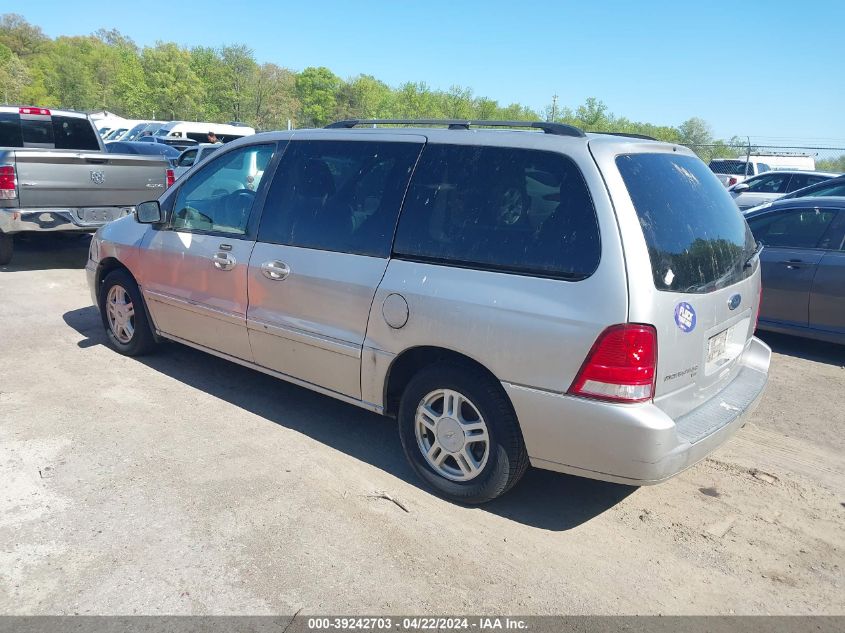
55	175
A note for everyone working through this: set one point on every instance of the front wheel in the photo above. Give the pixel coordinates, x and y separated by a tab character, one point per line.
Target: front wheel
124	316
460	433
7	248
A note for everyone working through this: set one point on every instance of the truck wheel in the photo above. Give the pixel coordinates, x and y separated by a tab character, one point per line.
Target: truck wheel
460	433
7	247
124	316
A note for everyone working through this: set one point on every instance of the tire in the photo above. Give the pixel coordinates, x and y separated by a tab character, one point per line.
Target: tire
498	466
7	248
136	339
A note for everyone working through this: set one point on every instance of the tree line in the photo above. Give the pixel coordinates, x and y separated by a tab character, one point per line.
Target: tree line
109	71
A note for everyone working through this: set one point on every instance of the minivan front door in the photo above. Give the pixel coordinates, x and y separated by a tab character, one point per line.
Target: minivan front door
323	246
194	271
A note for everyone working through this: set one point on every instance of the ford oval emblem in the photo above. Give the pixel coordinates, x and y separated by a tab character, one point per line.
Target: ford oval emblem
733	302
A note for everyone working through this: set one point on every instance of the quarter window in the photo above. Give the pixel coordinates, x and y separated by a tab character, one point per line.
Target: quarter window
770	183
508	209
338	195
795	228
220	197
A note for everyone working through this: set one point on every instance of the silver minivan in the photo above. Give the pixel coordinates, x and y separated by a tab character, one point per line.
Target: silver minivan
583	303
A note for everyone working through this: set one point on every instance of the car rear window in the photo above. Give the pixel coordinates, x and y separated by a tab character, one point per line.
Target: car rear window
730	167
74	133
697	239
497	208
59	132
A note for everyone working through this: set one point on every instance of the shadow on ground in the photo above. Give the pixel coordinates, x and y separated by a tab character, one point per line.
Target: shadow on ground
808	349
49	251
542	499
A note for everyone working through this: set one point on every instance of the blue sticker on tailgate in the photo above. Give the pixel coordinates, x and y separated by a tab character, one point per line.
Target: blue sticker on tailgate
685	316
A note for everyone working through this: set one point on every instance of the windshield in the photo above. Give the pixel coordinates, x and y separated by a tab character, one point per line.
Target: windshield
731	167
697	239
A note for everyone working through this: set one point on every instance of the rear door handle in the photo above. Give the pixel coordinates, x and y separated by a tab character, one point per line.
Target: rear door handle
275	270
223	261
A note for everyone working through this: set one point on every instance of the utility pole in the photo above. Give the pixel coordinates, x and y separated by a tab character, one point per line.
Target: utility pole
554	108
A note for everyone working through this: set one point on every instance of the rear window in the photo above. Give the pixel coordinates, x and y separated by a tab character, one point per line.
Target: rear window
730	167
59	132
697	239
505	209
74	133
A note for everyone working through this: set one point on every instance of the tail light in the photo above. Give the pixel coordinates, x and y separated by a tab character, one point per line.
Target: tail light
171	178
731	181
8	183
621	365
41	111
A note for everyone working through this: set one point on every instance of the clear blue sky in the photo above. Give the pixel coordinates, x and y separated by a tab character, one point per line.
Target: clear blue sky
748	67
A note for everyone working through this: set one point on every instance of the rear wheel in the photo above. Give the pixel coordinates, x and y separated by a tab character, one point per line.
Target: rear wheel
7	247
124	316
460	433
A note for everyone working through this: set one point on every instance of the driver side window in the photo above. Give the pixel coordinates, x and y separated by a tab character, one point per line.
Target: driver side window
219	197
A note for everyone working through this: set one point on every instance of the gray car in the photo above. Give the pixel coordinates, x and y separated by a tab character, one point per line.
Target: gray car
582	303
803	266
771	186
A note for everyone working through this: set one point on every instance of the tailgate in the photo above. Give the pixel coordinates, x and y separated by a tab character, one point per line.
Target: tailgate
68	179
692	271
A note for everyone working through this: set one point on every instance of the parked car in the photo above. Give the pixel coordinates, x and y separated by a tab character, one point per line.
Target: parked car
581	302
785	160
180	144
143	128
803	266
824	189
193	156
147	149
198	131
56	176
731	171
771	186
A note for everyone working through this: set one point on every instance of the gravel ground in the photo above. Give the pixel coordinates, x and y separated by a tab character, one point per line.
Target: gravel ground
183	484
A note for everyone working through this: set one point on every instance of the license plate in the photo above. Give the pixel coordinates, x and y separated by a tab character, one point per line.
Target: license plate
717	346
100	215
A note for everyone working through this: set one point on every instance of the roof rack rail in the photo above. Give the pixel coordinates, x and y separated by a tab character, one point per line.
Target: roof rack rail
559	129
628	135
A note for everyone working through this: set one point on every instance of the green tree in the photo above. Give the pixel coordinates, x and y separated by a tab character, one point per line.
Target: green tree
317	90
274	98
174	89
13	76
239	73
21	37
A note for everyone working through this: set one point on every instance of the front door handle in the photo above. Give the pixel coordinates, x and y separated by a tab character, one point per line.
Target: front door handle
223	261
275	270
793	264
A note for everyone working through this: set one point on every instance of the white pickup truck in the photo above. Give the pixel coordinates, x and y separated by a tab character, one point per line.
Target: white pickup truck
731	171
55	175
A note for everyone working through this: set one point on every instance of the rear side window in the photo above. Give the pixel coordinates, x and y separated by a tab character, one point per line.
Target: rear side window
770	183
697	239
338	195
74	133
795	228
10	130
512	210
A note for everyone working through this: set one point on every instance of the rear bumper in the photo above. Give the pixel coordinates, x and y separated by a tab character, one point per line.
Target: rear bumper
70	219
635	444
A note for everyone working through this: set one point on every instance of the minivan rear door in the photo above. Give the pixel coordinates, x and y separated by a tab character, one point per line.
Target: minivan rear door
323	246
692	267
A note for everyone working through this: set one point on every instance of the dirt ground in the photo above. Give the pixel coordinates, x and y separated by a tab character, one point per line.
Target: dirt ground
183	484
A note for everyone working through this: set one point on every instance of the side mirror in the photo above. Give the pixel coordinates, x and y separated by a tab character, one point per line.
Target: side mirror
743	186
149	213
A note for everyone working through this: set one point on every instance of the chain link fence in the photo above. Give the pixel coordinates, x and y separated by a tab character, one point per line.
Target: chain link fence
810	157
